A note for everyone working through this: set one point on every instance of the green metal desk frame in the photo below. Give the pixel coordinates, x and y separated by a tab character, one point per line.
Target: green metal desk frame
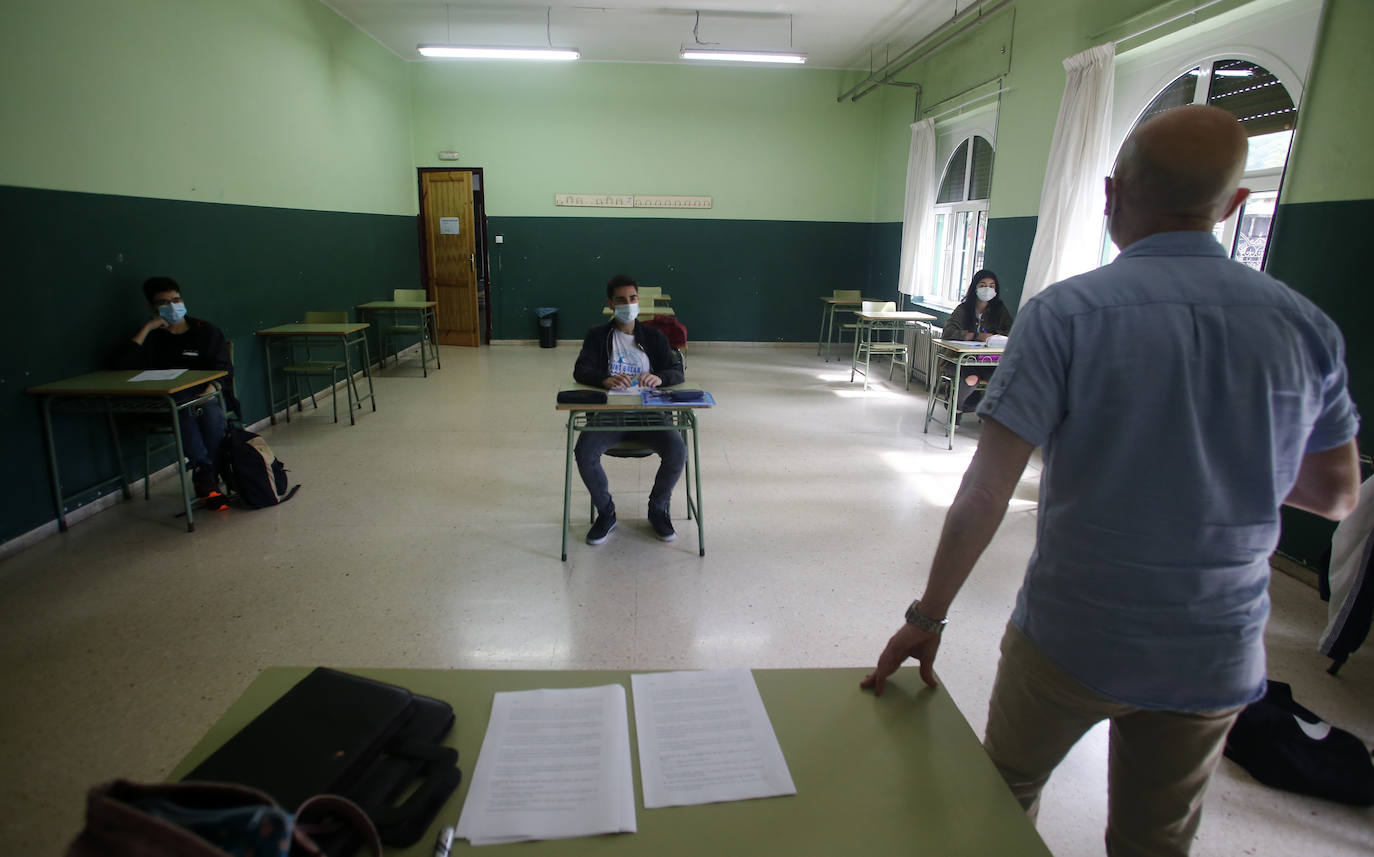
958	355
112	393
828	306
345	335
609	418
864	346
426	315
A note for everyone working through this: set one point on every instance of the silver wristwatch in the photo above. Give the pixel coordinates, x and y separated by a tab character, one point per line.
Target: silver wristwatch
915	617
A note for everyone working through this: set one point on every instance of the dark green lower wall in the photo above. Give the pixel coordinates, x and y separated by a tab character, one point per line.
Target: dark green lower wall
74	264
730	280
1007	254
1317	248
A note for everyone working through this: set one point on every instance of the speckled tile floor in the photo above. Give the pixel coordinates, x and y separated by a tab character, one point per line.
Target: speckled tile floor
427	536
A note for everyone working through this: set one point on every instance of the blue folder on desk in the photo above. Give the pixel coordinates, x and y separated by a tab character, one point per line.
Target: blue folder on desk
677	398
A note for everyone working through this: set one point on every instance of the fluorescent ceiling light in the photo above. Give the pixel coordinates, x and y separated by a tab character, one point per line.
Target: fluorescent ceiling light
475	53
741	56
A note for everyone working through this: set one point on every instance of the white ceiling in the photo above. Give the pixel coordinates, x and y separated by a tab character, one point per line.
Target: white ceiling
833	33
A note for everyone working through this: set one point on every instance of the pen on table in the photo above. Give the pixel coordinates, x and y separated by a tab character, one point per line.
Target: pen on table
444	842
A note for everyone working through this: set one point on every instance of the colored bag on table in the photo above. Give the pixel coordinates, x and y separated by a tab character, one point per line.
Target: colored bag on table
1285	746
254	475
198	819
336	733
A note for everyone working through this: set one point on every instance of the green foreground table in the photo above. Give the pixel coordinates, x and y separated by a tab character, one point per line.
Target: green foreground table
901	774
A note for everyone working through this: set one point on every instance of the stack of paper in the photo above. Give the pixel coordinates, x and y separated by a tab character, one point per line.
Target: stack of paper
706	737
554	764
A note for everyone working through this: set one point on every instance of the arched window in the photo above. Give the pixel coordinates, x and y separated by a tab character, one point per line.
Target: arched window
961	217
1266	111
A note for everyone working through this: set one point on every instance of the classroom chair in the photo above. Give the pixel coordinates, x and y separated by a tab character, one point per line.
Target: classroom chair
895	347
391	331
299	372
846	295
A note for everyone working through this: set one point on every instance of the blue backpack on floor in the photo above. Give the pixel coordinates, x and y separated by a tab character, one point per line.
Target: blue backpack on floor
252	473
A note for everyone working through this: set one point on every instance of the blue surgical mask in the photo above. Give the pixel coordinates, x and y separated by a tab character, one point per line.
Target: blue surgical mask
626	313
172	313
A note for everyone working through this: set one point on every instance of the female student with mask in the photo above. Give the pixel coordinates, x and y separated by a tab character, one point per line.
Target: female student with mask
981	315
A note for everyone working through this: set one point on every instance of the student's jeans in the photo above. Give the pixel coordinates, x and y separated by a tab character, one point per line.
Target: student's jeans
668	444
202	432
1158	761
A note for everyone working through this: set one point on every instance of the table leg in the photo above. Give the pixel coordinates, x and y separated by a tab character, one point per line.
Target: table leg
696	465
567	483
118	451
180	464
52	464
854	358
349	388
432	323
954	401
367	373
271	396
820	337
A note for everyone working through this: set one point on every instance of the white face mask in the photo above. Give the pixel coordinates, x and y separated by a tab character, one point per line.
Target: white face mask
986	293
626	313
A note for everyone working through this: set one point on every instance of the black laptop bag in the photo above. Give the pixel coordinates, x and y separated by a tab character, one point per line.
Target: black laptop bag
336	733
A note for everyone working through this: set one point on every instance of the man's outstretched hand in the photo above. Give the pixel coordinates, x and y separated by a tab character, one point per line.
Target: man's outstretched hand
908	642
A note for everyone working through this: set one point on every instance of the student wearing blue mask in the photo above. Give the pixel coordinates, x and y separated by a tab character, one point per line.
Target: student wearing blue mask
623	356
171	339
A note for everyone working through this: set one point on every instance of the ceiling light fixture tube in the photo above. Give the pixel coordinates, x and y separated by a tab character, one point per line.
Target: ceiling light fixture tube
481	53
741	56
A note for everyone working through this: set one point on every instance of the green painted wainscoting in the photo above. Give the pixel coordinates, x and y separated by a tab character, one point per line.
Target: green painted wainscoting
730	280
1317	248
74	266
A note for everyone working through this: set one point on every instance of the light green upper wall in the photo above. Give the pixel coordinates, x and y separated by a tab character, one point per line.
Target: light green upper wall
256	102
1330	159
766	144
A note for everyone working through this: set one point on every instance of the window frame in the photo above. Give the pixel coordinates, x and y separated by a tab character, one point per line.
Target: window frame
950	291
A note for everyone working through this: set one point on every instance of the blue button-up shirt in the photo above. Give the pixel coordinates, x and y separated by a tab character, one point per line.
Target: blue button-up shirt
1175	393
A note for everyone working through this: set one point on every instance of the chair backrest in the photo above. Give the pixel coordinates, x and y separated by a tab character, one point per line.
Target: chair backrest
653	293
879	306
409	295
846	294
320	317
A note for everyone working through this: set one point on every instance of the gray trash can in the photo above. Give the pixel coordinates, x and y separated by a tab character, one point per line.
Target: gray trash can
547	317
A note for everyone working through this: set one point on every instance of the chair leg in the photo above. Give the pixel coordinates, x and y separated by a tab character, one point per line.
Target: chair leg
334	392
147	465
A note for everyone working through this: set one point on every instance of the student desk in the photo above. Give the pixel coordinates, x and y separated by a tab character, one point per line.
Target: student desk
864	346
957	355
828	306
425	317
898	774
343	334
113	393
631	415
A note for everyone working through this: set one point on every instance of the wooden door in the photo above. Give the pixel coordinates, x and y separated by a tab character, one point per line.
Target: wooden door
450	254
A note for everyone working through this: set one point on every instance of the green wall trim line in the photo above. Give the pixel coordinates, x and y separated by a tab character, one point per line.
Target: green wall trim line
74	264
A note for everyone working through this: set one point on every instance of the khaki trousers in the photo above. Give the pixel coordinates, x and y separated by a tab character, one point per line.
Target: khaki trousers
1158	762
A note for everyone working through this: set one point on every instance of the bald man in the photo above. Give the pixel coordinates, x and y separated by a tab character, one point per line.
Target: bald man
1145	599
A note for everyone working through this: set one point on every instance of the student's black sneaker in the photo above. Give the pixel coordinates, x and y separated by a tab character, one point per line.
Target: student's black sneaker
205	482
662	524
605	522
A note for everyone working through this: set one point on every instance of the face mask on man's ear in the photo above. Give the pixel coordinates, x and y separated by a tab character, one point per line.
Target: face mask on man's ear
172	313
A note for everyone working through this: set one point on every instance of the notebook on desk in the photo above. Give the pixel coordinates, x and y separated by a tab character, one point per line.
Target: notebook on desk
677	398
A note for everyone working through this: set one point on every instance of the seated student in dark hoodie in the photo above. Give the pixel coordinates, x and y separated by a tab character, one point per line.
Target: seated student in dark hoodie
624	354
981	315
171	339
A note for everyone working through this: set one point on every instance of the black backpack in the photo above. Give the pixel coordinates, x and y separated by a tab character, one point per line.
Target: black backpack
1285	746
252	472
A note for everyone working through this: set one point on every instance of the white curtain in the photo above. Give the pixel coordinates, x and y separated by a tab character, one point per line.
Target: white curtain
1068	233
918	220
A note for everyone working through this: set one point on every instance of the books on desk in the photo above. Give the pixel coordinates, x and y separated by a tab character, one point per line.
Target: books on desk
671	398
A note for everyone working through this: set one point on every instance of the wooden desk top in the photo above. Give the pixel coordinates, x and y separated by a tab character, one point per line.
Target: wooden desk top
906	315
397	304
830	299
117	383
967	347
339	329
897	774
